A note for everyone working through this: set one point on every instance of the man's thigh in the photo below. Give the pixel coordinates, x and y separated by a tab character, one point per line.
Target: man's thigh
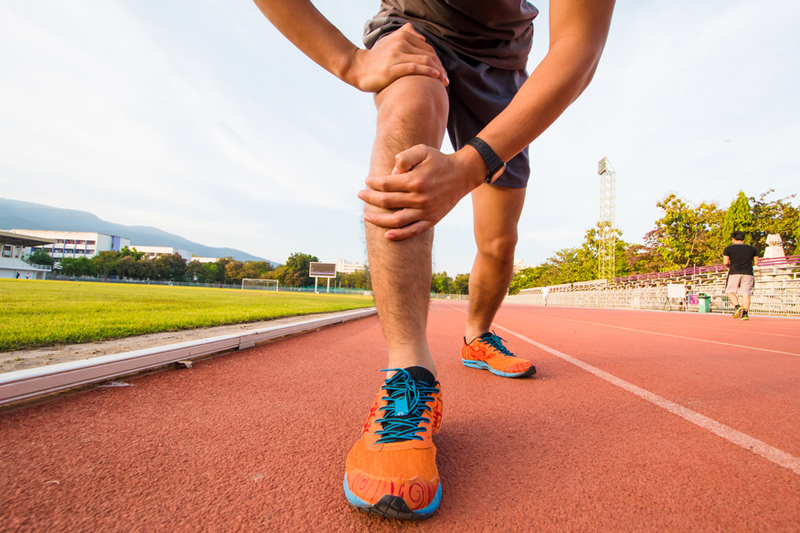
734	282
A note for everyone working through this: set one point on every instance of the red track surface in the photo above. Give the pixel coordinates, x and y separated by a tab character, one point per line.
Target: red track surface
256	440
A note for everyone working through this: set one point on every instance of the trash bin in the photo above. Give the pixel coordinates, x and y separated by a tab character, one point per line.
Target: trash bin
704	302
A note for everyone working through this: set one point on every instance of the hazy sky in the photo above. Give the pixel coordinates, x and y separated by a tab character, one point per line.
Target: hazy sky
197	117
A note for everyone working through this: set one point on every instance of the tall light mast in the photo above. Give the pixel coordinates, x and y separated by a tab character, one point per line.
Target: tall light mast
607	239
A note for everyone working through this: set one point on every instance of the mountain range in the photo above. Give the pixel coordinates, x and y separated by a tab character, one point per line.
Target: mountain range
26	215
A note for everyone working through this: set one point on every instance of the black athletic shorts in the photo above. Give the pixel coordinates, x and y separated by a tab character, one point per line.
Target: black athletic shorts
477	93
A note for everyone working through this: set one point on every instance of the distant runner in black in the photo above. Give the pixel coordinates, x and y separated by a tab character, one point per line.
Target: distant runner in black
740	258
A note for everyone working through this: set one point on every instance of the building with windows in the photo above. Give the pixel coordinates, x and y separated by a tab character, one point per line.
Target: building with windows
152	252
348	268
205	259
74	244
519	264
14	249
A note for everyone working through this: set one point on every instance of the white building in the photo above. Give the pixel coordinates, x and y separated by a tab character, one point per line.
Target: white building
519	264
205	259
152	252
75	244
14	249
348	268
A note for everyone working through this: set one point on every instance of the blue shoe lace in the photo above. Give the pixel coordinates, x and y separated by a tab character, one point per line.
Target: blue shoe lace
496	342
406	402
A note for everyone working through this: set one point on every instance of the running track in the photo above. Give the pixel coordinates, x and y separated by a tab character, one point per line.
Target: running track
636	421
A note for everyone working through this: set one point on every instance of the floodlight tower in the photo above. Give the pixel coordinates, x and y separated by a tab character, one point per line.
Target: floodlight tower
607	239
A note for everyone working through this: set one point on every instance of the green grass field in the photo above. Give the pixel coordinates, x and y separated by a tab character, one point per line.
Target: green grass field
46	313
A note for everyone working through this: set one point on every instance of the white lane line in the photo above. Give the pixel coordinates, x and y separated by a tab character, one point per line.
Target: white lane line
679	325
681	337
779	457
772	454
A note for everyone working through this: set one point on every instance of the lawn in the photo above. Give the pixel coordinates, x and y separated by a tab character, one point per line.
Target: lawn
46	313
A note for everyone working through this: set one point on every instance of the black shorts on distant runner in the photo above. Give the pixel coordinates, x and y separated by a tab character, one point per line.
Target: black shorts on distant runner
477	93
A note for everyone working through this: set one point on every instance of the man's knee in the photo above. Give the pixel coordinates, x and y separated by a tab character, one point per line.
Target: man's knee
412	110
499	248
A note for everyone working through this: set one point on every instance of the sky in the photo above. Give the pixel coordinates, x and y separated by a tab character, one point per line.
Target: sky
199	118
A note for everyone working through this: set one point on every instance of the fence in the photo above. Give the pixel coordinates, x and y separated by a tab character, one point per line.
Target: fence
771	297
360	292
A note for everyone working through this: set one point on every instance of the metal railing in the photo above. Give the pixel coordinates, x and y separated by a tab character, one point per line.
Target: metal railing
771	297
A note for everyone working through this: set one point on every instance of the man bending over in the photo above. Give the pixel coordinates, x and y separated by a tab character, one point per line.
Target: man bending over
436	66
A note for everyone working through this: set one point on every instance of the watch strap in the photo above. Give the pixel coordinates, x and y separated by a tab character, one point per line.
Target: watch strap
489	156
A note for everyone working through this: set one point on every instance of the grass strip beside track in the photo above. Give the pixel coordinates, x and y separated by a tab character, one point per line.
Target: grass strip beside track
46	313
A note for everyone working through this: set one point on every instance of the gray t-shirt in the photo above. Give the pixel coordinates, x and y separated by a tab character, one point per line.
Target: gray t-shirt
496	32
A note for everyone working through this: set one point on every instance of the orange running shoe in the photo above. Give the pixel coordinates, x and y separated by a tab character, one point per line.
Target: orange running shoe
391	471
488	353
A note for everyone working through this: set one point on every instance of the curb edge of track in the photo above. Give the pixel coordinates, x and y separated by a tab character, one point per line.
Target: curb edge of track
35	382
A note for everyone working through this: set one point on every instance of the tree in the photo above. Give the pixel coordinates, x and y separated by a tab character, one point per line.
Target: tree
295	272
441	283
775	217
41	257
127	267
77	267
685	235
106	262
170	267
195	271
461	284
739	217
131	252
234	272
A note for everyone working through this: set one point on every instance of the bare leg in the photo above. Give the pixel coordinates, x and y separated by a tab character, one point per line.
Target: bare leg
746	302
734	300
412	110
496	212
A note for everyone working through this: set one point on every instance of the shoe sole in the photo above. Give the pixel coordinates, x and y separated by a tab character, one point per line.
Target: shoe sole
392	506
484	366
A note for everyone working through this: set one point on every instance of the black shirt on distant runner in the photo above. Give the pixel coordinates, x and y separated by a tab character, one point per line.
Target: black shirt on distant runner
741	258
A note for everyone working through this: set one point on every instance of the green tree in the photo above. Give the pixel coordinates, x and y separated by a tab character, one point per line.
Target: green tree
359	279
131	252
461	284
195	271
441	283
775	217
234	272
127	267
686	236
41	257
105	263
738	217
295	272
170	267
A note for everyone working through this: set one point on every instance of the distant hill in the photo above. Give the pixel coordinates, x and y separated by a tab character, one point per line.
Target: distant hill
25	215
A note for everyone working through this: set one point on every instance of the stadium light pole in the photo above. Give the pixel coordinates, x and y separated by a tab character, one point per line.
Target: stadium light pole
606	253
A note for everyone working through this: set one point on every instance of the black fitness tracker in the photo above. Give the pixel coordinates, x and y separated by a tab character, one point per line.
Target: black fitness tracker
492	160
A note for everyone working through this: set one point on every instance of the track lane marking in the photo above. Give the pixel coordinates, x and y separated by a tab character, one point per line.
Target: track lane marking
772	454
675	336
779	457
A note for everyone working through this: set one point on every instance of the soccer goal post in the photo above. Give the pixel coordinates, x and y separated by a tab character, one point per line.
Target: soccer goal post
260	284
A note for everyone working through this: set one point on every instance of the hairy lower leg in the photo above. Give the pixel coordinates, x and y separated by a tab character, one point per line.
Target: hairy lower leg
733	298
413	110
401	277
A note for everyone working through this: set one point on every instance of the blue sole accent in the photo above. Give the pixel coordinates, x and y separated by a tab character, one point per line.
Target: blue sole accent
483	366
357	502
